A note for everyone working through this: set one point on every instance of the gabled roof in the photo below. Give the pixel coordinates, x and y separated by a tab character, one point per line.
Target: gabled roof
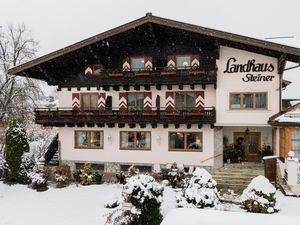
289	117
291	53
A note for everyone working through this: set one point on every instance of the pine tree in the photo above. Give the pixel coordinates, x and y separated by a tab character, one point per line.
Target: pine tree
16	145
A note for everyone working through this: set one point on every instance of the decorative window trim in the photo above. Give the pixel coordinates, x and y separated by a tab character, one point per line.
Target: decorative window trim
135	137
88	135
242	100
90	70
185	142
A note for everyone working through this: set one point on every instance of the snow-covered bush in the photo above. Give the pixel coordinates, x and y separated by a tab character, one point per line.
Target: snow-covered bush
132	171
175	176
112	205
260	196
16	144
26	168
97	178
39	180
2	165
145	195
121	178
86	175
199	192
62	176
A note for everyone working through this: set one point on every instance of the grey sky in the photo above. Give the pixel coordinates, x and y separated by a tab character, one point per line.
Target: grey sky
58	23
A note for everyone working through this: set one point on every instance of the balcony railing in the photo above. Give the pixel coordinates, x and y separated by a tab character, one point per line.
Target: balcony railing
67	116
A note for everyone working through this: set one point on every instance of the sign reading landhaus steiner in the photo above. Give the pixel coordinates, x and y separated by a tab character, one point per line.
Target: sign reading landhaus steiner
252	68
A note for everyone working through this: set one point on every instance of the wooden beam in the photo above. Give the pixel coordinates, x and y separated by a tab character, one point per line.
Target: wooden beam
199	126
121	125
147	87
192	86
153	125
100	124
142	125
126	87
111	125
177	125
158	87
166	125
116	88
137	87
169	86
281	62
132	125
78	88
180	86
203	86
188	126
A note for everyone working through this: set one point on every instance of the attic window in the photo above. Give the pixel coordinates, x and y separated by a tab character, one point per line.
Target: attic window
183	62
137	63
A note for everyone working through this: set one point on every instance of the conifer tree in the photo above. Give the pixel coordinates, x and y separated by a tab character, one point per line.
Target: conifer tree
16	145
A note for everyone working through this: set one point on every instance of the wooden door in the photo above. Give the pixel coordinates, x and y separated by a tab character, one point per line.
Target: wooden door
249	144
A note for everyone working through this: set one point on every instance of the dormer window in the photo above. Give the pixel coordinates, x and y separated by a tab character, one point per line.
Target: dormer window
137	63
183	62
94	69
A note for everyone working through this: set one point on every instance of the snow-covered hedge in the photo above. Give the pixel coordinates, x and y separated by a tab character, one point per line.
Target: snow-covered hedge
199	192
26	167
260	196
145	195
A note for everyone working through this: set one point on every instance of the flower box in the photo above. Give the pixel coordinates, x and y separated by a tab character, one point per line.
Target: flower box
149	113
85	114
195	113
127	113
142	73
168	73
65	113
116	74
46	113
196	72
106	113
172	113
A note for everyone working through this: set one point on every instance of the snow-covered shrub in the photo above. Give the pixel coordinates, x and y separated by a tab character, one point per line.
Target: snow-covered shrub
16	144
199	192
121	178
39	180
97	178
26	168
112	205
260	196
175	176
121	217
145	195
2	165
62	176
76	176
86	176
132	171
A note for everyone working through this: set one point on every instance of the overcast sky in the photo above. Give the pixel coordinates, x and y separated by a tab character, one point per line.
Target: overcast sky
58	23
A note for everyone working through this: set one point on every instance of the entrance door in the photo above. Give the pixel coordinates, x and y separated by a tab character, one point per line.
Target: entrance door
249	143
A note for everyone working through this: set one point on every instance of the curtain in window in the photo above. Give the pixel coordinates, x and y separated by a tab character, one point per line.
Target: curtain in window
261	100
248	100
235	100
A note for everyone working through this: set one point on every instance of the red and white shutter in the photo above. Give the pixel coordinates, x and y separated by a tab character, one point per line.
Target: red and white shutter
75	101
199	102
101	101
171	62
122	101
148	63
170	101
88	70
126	64
195	60
147	100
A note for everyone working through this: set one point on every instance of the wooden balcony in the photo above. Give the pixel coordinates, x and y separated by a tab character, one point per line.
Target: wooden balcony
157	76
63	116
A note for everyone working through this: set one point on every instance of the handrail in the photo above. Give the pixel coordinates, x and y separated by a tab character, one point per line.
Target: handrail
215	156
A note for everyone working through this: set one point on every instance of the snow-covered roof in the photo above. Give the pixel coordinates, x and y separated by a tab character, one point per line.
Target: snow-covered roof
291	116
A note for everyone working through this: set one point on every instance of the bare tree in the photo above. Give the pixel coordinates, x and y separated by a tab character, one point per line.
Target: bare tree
17	94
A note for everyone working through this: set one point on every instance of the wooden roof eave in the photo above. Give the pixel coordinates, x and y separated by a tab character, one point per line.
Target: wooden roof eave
292	51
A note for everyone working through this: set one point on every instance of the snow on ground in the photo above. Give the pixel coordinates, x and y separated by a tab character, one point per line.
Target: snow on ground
77	205
74	205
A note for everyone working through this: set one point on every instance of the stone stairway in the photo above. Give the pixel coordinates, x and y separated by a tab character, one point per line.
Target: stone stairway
236	176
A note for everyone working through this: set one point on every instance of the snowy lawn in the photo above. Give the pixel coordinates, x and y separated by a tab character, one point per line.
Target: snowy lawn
74	205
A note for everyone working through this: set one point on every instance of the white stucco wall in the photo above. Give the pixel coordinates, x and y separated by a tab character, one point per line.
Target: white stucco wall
159	149
232	82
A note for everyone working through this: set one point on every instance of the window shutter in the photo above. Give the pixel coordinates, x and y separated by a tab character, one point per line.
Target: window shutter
171	62
147	100
199	102
195	60
126	64
75	101
148	63
88	70
122	101
101	101
170	102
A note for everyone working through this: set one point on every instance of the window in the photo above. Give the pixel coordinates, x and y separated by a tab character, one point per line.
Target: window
186	141
97	69
135	140
137	63
184	100
183	62
89	101
295	142
135	101
88	139
248	100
